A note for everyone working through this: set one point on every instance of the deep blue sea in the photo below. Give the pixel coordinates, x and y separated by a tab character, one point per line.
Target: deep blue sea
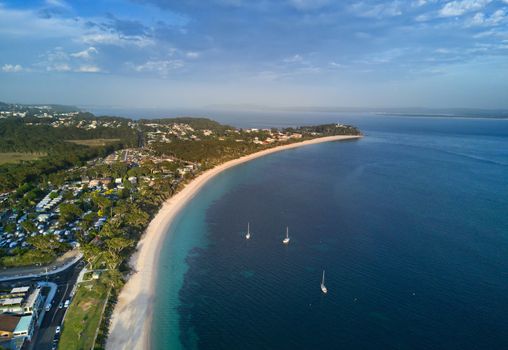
410	223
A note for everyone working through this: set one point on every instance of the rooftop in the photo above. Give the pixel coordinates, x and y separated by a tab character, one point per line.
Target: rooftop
20	290
8	322
32	298
23	324
10	301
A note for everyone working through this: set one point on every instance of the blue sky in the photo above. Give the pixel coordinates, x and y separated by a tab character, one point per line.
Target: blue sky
193	53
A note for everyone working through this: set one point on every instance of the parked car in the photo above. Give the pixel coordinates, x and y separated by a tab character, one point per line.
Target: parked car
57	330
67	302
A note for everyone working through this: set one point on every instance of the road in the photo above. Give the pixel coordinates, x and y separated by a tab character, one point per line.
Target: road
28	273
43	336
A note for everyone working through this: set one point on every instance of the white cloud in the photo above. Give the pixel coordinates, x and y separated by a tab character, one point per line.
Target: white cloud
162	67
115	39
492	33
480	18
58	60
88	69
458	8
423	17
419	3
192	54
58	67
336	65
12	68
85	54
294	59
57	55
382	10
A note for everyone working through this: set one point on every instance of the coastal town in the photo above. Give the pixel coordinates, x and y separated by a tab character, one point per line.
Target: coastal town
253	175
87	217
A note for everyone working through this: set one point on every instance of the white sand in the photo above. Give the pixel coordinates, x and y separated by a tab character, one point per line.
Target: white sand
130	322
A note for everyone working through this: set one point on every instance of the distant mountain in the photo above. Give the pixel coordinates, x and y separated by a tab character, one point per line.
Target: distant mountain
52	108
402	111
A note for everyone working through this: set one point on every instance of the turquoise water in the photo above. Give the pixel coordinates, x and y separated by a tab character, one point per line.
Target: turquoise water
410	224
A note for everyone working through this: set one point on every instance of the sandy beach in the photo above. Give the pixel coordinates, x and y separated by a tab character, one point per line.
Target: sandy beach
130	323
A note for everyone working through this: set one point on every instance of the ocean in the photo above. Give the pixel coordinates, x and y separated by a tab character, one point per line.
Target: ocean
410	224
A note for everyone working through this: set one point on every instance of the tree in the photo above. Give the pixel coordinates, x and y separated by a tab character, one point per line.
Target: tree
88	219
100	201
46	244
69	212
116	245
28	226
92	253
10	227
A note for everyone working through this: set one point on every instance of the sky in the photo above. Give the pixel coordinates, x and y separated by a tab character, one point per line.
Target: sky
195	53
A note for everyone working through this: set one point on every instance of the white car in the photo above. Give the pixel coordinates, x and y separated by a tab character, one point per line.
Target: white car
57	330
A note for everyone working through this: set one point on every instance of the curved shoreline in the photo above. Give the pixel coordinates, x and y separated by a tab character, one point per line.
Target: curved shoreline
130	322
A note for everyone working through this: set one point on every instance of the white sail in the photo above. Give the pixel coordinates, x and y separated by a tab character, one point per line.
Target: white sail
286	240
247	236
323	287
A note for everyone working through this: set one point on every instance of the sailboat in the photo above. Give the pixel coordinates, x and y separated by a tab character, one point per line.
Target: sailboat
247	236
286	240
323	287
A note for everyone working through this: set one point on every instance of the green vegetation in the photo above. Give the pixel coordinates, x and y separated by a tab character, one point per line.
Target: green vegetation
17	157
95	142
84	315
44	250
21	136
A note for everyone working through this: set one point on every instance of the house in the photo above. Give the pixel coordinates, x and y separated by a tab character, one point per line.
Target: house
25	327
8	324
133	180
19	290
93	183
21	301
12	305
15	330
105	181
43	217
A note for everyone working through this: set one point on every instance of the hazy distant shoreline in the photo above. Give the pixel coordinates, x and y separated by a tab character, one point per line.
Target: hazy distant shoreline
288	114
131	319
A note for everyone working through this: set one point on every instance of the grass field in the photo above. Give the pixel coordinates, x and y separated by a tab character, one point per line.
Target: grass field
83	316
94	142
16	157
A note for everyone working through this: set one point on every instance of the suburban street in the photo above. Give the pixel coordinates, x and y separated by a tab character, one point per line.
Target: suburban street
43	337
